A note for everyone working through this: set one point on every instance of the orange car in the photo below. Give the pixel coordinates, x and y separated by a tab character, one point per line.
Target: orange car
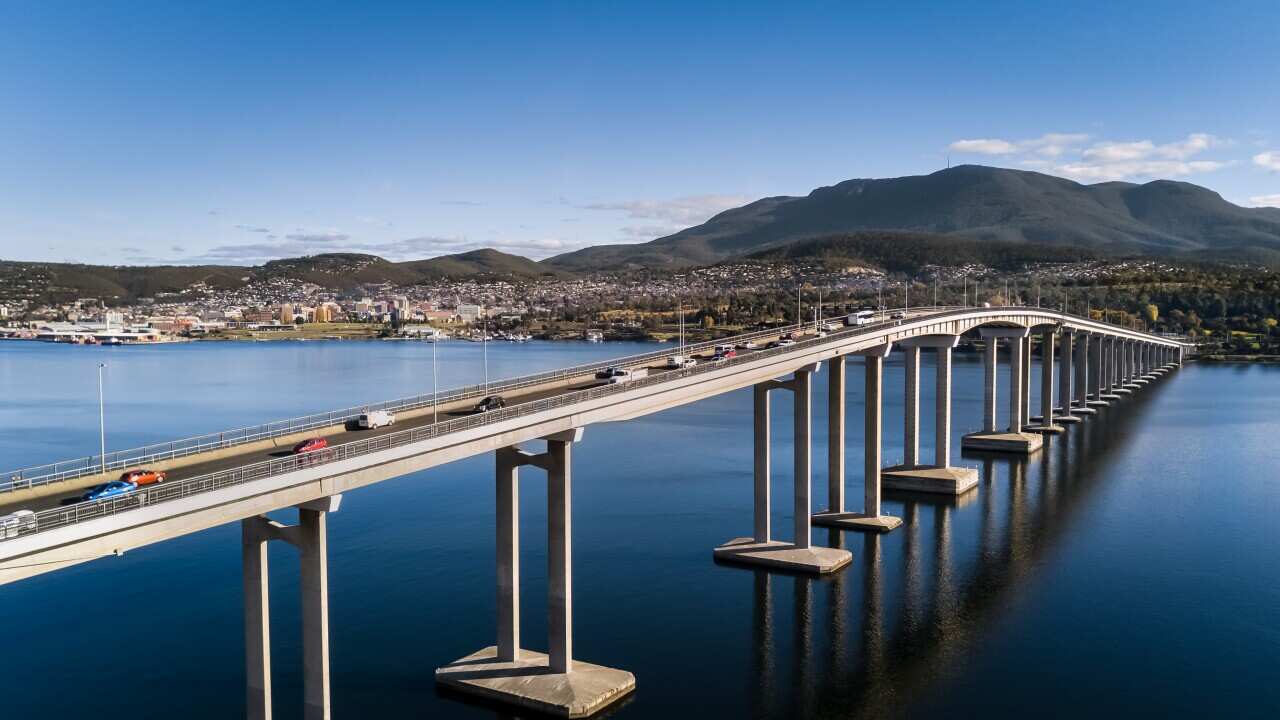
144	477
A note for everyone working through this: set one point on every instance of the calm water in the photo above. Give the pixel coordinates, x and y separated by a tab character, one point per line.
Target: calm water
1129	568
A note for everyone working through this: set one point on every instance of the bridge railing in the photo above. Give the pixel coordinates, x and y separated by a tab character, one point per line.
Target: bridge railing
149	454
46	520
139	457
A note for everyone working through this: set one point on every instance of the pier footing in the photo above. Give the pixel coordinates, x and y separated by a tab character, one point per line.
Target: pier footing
783	555
1046	429
1012	442
929	479
857	521
529	682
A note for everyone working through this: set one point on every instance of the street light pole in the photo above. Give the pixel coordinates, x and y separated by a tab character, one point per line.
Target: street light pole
484	341
435	383
102	421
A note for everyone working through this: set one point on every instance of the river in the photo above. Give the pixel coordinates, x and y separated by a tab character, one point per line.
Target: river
1130	567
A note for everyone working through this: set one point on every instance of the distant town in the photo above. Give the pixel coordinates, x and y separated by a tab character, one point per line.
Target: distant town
639	305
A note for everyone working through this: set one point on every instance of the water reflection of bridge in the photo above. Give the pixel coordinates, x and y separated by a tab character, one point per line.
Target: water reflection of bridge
866	642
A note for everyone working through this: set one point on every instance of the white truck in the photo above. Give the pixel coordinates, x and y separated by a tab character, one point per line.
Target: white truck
16	523
376	419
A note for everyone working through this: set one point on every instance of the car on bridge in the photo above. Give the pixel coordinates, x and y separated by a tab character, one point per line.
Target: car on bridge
144	477
310	445
376	419
16	523
746	345
107	490
493	402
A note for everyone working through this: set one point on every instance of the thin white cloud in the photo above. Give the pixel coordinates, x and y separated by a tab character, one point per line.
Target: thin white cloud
1265	200
668	216
1068	155
1124	170
1047	145
1269	160
985	146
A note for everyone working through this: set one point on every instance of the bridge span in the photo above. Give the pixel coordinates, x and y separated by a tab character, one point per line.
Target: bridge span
239	476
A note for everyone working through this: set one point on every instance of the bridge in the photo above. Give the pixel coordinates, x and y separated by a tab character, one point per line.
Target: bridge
240	475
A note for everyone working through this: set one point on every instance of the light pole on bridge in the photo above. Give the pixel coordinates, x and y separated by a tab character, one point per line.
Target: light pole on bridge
102	421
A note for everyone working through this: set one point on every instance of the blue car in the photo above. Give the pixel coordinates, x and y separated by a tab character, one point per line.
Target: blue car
109	490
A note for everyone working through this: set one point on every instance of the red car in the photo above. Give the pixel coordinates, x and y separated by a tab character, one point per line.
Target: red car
143	477
310	445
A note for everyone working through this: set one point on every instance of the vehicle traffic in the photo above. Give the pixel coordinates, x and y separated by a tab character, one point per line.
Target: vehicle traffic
115	488
493	402
310	445
746	345
144	477
616	375
376	419
861	317
16	523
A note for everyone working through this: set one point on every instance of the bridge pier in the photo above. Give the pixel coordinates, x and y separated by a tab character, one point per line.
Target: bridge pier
1047	421
870	519
1065	412
310	536
912	475
761	549
1013	440
1080	406
552	683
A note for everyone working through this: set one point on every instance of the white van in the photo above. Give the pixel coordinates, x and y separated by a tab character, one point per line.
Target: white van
21	521
376	419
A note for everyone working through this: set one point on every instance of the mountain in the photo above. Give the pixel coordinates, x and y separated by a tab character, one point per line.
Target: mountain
62	282
486	262
901	251
1163	218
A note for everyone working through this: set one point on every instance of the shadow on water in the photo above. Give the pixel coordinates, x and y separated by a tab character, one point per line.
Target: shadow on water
915	603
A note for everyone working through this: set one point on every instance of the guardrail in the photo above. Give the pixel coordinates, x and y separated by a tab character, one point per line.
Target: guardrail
60	517
137	457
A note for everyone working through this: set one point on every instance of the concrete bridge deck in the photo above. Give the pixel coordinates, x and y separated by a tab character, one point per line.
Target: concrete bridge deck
244	481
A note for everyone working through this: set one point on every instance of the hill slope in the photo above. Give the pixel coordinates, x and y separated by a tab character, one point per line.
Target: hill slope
62	282
976	202
899	251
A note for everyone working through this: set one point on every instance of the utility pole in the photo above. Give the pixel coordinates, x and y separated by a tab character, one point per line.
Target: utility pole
102	421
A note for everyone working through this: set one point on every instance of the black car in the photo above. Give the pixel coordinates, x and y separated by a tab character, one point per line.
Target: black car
493	402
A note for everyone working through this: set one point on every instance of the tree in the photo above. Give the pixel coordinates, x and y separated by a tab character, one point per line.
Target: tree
1151	312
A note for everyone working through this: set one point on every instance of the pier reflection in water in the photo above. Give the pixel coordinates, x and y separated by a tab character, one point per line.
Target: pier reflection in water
904	618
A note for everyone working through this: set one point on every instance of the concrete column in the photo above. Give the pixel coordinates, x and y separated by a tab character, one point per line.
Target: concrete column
760	394
559	558
1015	385
911	407
1065	370
989	384
872	435
835	436
1026	380
942	417
803	457
313	543
1082	371
1104	366
257	622
1046	377
508	547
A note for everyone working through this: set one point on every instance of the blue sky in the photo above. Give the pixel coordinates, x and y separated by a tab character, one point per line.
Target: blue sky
145	132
